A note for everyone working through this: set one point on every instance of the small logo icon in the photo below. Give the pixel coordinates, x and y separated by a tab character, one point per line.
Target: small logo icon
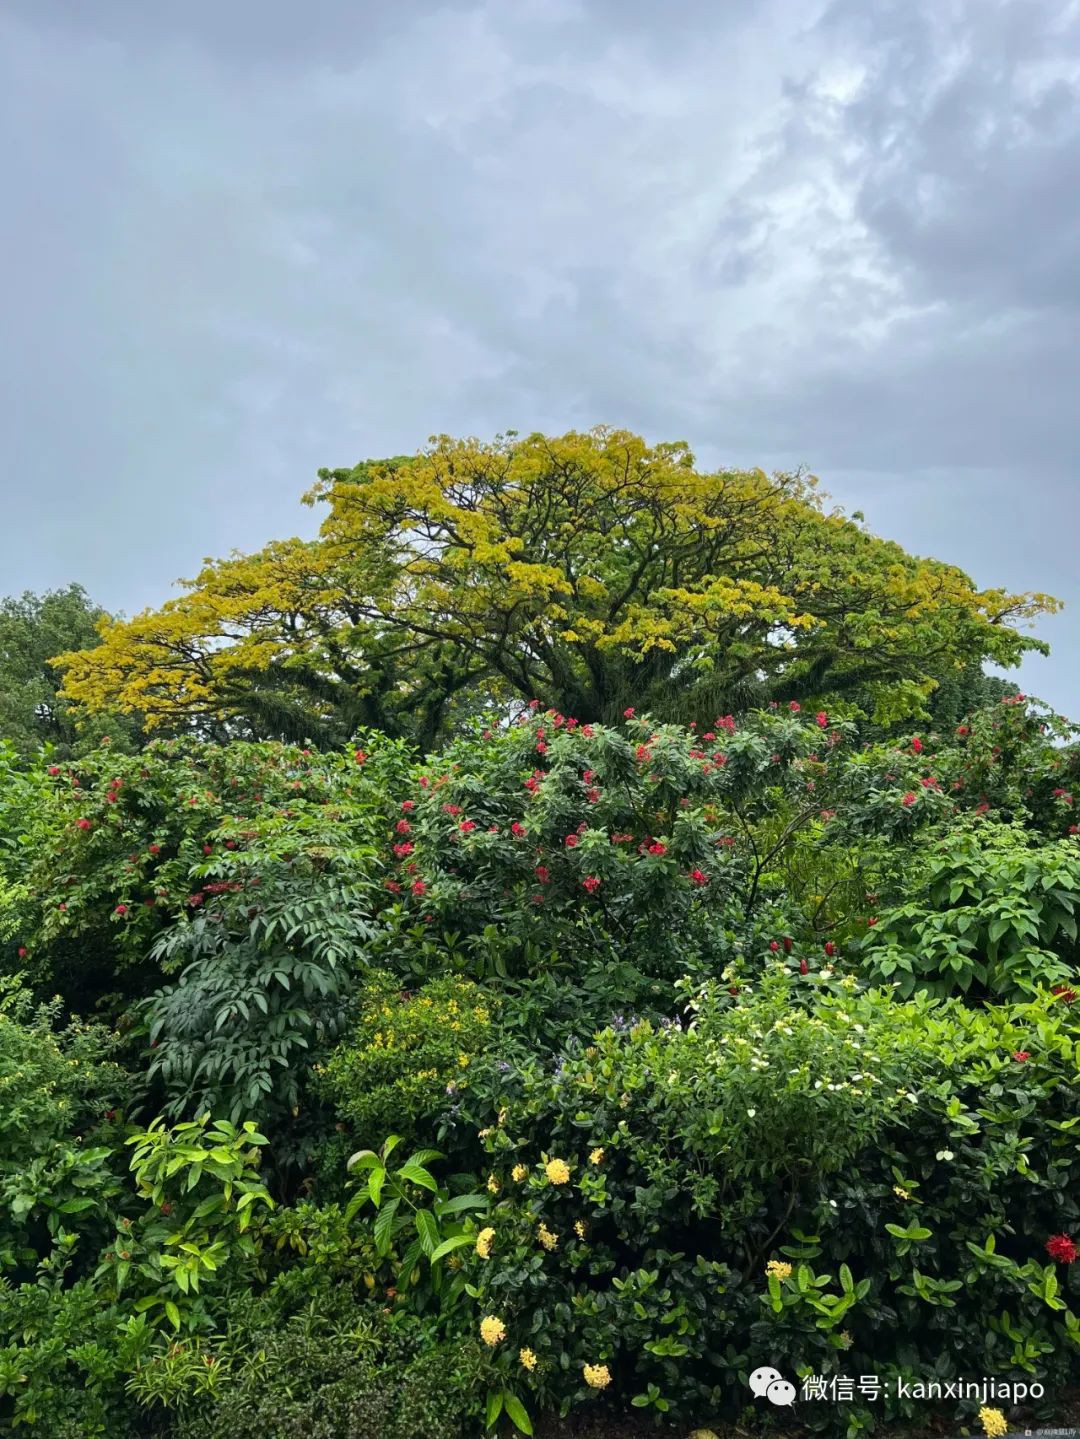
768	1383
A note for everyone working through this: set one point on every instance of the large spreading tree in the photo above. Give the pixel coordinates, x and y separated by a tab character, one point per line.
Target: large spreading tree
590	571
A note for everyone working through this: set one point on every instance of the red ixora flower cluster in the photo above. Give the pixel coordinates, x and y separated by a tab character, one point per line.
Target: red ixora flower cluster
1062	1249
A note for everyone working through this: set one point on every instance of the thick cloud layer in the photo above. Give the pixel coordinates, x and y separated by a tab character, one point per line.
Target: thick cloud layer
244	240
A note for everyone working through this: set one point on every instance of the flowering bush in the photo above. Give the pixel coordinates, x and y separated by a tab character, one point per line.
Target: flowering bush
712	1047
551	842
853	1182
122	847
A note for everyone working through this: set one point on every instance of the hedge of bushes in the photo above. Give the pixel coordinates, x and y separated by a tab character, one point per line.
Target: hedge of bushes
573	1069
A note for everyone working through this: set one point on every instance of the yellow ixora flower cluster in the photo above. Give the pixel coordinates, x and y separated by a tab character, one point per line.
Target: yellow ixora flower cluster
527	1359
993	1422
492	1330
596	1157
579	1228
519	1172
557	1171
484	1241
597	1376
900	1193
545	1236
778	1269
493	1184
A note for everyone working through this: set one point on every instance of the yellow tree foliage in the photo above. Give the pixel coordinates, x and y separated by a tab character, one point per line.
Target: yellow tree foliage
590	571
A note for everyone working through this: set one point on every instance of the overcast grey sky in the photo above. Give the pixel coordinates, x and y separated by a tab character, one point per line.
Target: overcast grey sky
245	238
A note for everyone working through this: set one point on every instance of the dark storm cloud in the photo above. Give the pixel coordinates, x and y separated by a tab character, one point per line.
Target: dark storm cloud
244	240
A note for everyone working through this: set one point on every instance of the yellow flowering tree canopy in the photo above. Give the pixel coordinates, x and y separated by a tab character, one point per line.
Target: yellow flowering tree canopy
591	571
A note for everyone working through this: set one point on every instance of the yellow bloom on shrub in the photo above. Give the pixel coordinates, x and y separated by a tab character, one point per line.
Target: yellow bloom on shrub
579	1228
900	1193
519	1172
527	1359
597	1376
493	1184
778	1269
596	1157
483	1242
492	1330
557	1171
547	1239
993	1422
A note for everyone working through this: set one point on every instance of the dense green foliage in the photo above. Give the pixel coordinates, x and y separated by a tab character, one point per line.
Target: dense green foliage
566	1067
33	712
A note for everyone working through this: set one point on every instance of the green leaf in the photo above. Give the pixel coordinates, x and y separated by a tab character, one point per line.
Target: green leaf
457	1241
427	1231
384	1227
416	1174
518	1415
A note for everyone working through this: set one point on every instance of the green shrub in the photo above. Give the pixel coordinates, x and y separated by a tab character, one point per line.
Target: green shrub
406	1054
120	849
347	1380
854	1185
56	1085
988	910
65	1354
